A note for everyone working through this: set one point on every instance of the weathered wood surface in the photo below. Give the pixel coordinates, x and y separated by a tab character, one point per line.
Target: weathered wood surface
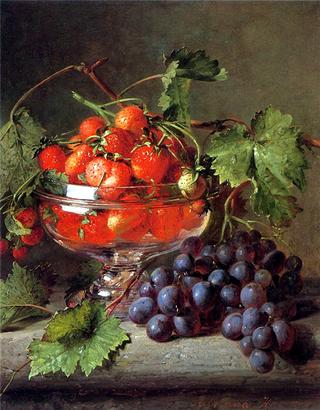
197	363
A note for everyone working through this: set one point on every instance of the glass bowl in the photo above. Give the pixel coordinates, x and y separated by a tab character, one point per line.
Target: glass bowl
143	222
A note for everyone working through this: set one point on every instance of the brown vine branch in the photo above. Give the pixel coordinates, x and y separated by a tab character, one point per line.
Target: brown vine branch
110	308
15	372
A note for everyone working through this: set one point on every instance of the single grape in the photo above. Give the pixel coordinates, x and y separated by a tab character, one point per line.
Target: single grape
161	277
141	310
204	265
240	238
285	335
252	318
246	345
146	289
230	295
293	264
187	324
263	337
271	310
263	277
192	245
159	328
225	254
255	236
245	253
291	283
218	277
170	300
203	296
259	252
183	263
187	283
261	360
288	309
231	326
253	295
243	271
274	261
209	250
268	245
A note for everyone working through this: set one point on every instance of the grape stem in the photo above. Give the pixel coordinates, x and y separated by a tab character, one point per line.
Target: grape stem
227	205
111	306
14	373
29	305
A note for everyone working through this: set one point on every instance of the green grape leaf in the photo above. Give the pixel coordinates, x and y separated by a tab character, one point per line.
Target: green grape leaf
182	67
18	139
81	336
232	152
272	158
22	287
54	182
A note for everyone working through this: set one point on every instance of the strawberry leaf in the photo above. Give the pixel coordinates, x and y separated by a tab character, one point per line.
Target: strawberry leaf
18	140
272	159
182	67
22	287
81	336
14	226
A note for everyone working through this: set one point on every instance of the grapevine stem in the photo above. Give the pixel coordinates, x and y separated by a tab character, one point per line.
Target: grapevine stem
28	305
110	308
143	80
309	141
15	372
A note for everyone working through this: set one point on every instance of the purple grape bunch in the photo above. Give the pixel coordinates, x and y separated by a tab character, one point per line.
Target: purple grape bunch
245	286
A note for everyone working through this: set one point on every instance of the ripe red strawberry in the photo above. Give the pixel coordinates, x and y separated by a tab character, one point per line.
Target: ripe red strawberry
20	253
120	142
68	226
96	230
131	118
75	141
150	163
191	219
91	125
108	175
28	217
166	223
123	220
52	157
76	162
34	237
4	245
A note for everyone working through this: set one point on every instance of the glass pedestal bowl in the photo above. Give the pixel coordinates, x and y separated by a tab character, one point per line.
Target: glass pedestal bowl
123	233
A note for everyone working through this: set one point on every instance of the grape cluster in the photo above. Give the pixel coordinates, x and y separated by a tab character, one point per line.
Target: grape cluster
245	286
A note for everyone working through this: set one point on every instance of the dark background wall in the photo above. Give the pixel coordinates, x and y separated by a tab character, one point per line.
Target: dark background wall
271	50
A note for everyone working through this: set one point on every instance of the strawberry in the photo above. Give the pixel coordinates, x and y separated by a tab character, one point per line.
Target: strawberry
108	175
28	217
34	237
190	185
166	222
96	230
20	253
90	126
76	162
68	226
4	246
122	220
119	141
150	163
52	157
137	233
75	141
191	219
131	118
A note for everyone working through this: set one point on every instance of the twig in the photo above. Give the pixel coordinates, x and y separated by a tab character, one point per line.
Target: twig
309	141
110	308
143	80
15	372
29	305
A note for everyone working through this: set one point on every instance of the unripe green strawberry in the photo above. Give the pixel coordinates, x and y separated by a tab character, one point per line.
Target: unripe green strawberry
191	185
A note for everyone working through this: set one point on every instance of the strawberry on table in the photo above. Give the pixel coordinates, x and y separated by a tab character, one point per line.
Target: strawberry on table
90	126
108	175
52	158
150	163
34	237
76	162
4	245
27	217
131	118
20	253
